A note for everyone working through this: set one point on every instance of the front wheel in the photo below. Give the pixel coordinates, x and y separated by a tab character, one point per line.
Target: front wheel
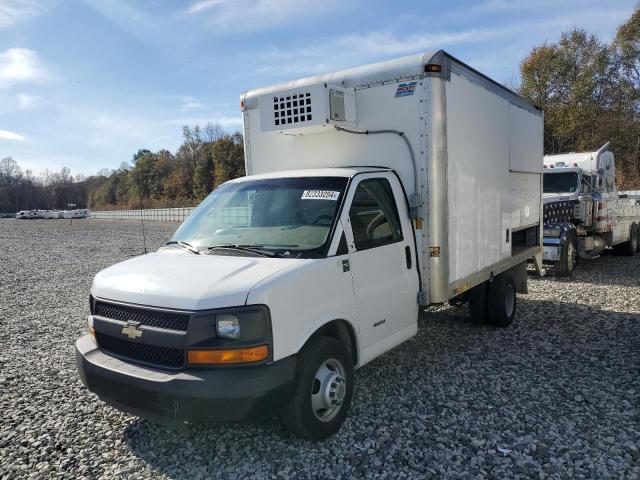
322	391
568	256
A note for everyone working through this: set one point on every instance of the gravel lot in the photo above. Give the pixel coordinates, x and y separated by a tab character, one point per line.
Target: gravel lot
556	395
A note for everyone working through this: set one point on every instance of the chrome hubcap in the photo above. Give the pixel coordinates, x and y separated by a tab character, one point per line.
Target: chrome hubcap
509	301
571	254
329	389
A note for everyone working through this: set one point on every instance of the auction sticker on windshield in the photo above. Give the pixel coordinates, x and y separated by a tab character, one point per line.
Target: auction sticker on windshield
320	195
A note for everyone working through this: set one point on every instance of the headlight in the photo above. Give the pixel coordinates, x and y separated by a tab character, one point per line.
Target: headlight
231	335
228	326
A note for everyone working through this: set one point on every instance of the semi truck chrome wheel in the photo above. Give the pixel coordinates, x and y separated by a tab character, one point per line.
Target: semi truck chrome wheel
571	257
322	391
328	391
568	256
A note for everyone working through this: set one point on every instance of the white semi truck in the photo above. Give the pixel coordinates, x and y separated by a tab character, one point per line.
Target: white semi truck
583	212
370	192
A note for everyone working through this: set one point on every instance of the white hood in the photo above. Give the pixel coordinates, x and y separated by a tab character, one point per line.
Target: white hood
559	197
185	281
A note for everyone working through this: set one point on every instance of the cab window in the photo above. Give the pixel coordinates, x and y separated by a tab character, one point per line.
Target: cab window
374	216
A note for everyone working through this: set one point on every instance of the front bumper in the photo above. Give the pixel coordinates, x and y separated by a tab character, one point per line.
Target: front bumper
551	253
193	396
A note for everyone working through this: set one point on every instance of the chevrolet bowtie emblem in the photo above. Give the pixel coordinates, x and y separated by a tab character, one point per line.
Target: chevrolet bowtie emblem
131	330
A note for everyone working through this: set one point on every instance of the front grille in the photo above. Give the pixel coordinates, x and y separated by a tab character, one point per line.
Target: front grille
151	354
151	318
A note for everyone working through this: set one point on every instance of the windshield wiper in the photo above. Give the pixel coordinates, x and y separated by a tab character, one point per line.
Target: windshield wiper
248	248
187	246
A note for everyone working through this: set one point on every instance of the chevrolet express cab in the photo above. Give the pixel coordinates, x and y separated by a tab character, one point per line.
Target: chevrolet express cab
370	192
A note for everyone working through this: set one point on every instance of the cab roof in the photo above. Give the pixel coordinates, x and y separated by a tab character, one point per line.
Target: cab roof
346	172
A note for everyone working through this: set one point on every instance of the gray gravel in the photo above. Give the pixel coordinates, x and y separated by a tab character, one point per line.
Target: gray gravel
556	395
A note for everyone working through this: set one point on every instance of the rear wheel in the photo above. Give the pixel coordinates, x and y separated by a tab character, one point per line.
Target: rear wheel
632	245
478	303
322	391
501	300
568	256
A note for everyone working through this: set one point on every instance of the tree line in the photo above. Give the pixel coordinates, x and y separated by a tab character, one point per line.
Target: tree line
589	91
21	190
206	158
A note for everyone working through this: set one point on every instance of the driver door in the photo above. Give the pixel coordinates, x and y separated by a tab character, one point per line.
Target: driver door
382	261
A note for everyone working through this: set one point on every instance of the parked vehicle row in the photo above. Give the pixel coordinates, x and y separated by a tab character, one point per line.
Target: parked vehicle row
32	214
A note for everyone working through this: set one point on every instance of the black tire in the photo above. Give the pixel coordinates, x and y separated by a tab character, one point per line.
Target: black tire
568	256
298	415
631	247
478	303
501	300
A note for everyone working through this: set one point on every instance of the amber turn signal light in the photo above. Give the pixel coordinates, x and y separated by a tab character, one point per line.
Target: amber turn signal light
225	357
92	333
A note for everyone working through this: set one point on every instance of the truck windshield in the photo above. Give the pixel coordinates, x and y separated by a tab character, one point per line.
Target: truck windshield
566	182
287	216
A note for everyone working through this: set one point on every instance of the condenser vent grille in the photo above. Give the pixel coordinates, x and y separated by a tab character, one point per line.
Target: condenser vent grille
292	109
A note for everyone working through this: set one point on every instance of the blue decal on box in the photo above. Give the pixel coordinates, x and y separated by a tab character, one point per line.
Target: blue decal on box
406	89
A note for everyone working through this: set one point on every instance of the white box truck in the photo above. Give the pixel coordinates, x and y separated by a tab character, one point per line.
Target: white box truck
370	192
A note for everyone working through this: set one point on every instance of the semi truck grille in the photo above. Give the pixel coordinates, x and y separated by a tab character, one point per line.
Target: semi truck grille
151	354
151	318
559	211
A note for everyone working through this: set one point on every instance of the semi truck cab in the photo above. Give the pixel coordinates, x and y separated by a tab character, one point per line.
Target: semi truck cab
583	214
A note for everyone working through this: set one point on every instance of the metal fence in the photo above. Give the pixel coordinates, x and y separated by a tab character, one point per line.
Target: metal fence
152	214
228	216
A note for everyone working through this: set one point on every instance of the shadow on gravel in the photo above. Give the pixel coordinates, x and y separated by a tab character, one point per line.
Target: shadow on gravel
559	384
608	269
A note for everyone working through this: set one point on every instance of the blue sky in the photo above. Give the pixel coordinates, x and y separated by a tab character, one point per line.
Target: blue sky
85	84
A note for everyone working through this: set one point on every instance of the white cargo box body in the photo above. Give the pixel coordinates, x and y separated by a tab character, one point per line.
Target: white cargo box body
477	148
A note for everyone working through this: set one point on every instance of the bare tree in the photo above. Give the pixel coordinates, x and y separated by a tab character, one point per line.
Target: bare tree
9	168
213	132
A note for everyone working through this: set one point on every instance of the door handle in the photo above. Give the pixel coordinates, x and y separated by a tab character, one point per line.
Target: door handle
407	252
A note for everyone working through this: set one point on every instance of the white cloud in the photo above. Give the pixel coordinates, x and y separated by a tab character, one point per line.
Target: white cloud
190	103
16	11
9	135
20	65
325	55
225	121
252	15
204	5
358	49
27	101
